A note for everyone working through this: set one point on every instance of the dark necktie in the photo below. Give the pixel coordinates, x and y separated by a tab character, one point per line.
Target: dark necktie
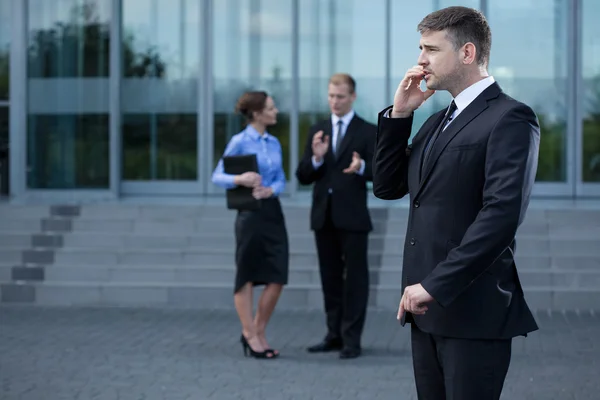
440	128
338	139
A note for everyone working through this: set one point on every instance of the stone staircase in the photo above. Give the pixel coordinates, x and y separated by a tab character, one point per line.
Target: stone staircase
183	256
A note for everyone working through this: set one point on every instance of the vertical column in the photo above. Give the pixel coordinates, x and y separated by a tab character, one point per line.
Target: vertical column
18	99
483	7
201	129
255	42
575	96
234	62
388	53
332	37
205	91
294	104
114	106
314	80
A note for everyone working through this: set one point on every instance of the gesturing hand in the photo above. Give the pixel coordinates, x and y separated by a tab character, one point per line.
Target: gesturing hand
409	95
320	145
414	300
354	165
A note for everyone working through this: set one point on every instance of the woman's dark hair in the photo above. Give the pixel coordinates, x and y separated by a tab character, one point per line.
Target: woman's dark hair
251	102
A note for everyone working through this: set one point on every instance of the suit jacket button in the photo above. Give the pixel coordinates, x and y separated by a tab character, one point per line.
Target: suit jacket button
417	204
412	241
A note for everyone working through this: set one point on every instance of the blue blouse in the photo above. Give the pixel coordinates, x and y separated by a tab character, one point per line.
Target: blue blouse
268	154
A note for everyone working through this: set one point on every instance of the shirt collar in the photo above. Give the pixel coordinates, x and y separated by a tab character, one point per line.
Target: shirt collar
467	96
345	118
253	133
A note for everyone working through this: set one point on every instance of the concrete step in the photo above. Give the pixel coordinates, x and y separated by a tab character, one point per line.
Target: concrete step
177	225
18	239
386	243
202	257
20	225
11	254
225	256
180	274
25	212
170	211
212	296
189	226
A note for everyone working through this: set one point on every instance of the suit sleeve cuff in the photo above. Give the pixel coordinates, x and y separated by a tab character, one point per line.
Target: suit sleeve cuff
316	164
361	171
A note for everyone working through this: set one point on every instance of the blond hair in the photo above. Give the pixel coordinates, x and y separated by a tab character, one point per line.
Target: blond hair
341	78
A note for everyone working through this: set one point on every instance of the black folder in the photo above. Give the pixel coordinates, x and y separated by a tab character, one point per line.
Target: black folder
240	198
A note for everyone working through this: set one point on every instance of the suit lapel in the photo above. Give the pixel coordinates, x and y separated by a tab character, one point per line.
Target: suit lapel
328	131
476	107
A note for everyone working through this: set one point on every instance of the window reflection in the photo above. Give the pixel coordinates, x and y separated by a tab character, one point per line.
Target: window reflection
591	86
535	73
252	51
159	90
5	27
4	151
68	60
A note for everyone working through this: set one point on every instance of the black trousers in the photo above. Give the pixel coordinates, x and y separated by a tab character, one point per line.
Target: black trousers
344	270
458	369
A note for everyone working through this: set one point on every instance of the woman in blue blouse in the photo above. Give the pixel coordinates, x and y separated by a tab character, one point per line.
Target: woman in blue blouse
262	253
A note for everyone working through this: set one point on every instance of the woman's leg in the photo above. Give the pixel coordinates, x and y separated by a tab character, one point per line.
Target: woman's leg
243	305
266	305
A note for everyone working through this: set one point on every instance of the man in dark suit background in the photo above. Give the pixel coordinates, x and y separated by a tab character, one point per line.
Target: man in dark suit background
469	174
338	160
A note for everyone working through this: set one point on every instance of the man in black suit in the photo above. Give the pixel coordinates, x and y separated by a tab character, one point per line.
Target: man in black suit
337	159
469	174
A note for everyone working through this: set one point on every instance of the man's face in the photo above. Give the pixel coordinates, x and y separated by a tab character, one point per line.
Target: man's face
340	99
440	61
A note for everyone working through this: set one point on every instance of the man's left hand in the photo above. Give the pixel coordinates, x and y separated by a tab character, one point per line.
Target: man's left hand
354	165
414	300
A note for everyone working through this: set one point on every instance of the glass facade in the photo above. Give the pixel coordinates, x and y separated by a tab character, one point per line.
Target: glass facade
159	98
125	97
67	94
5	32
251	51
590	152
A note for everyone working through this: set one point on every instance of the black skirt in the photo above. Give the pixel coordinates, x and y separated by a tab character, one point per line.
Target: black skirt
262	249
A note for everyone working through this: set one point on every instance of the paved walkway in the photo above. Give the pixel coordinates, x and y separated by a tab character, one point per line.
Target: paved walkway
135	354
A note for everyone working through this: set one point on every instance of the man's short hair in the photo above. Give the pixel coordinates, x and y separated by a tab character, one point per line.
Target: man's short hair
462	25
341	78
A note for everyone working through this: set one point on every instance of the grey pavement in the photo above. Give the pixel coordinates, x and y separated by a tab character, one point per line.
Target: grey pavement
172	354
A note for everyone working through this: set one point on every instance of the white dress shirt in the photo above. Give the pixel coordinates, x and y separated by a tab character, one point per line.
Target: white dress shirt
467	96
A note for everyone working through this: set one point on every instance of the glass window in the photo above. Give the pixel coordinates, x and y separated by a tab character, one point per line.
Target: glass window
591	87
4	156
5	27
68	67
340	36
529	61
252	44
159	89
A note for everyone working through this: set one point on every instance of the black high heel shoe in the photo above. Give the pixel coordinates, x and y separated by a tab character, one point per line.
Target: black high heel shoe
256	354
